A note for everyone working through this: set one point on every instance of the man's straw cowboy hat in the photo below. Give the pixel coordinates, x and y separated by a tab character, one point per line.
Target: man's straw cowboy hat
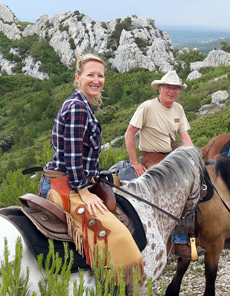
170	78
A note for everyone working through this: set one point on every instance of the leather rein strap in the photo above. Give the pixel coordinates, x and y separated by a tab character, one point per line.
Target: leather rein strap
102	177
143	200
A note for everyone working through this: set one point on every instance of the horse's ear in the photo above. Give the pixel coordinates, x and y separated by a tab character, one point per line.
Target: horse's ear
203	151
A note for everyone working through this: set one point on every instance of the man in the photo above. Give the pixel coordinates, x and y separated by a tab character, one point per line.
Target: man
158	121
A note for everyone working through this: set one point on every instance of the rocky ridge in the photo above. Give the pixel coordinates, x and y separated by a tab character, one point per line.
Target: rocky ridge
133	42
139	44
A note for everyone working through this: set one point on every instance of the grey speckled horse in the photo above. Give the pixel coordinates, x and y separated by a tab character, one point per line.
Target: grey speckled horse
173	185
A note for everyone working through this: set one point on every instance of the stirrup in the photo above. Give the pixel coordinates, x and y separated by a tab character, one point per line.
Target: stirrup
194	255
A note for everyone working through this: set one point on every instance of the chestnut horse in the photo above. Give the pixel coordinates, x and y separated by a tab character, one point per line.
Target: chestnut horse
213	223
213	148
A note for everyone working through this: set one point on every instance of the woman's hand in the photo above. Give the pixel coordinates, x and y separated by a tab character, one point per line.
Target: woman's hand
92	201
139	168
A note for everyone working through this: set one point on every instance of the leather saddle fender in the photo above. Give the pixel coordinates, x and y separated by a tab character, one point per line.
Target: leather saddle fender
51	220
48	218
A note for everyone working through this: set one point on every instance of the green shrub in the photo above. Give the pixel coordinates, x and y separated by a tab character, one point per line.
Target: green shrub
13	282
6	141
16	284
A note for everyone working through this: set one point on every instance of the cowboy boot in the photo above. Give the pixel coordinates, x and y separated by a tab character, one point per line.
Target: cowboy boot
184	251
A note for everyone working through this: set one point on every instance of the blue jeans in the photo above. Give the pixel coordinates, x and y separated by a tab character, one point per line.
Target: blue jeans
179	238
44	187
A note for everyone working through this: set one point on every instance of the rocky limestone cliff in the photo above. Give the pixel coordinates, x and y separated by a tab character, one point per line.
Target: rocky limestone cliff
129	43
133	42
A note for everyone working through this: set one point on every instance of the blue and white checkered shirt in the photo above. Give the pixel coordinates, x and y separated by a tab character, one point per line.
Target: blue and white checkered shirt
76	140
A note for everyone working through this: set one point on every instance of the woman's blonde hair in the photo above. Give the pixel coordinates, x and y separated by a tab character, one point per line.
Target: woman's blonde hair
81	61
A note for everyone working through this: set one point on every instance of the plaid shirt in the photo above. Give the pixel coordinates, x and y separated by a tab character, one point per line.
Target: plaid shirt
76	140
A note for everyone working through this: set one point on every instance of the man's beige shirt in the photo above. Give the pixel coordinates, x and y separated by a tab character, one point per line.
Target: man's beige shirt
156	123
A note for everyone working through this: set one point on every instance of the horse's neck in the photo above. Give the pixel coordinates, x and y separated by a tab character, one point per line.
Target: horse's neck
171	202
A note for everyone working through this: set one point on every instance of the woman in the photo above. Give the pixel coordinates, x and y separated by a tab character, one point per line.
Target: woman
77	143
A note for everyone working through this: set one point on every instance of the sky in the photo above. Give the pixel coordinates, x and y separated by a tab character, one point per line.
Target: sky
213	14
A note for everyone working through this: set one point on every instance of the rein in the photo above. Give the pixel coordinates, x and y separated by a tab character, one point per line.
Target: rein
180	222
102	177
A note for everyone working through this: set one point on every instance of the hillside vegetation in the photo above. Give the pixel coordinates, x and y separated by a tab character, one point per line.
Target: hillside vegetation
28	107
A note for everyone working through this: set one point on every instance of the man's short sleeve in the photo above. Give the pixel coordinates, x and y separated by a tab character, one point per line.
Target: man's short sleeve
138	119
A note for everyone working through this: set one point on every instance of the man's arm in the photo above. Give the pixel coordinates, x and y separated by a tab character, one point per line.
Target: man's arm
185	139
131	148
130	142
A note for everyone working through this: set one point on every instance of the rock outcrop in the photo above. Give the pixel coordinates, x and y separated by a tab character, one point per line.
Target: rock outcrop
219	98
132	42
9	23
215	58
194	75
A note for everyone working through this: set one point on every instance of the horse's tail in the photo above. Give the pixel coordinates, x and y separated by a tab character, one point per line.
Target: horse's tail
222	168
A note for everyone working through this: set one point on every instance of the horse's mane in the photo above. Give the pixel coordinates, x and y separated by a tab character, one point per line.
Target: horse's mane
171	171
222	169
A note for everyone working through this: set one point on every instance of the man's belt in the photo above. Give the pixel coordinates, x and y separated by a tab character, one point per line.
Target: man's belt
151	158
